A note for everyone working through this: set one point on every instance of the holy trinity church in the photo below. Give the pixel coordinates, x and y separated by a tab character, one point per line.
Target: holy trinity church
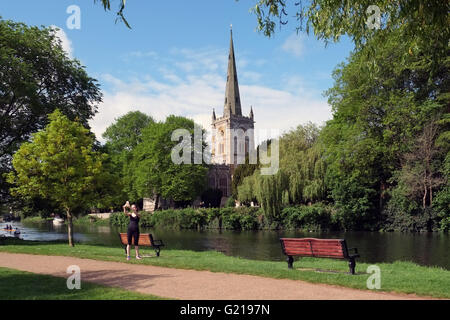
232	133
232	138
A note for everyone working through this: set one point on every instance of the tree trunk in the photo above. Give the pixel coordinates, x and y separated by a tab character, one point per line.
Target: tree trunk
382	189
70	228
424	199
431	196
156	202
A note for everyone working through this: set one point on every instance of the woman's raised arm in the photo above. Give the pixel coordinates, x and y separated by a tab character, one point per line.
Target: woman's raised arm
125	209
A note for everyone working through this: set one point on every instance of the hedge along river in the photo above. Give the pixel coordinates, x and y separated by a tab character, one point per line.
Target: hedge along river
430	249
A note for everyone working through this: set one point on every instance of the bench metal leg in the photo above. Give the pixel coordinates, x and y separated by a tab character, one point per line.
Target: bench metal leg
351	265
157	250
290	261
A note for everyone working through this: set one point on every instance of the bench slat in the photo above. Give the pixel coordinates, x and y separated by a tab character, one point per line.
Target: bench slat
314	247
315	253
144	239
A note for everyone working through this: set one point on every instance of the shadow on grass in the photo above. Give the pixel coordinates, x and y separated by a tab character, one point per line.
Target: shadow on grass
122	278
19	285
16	285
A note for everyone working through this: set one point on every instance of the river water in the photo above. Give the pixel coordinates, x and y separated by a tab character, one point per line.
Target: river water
430	249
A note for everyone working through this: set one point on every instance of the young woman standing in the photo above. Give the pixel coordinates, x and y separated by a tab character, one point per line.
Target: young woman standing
133	228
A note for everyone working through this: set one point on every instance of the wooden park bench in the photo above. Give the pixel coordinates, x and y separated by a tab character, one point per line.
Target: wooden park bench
145	239
318	248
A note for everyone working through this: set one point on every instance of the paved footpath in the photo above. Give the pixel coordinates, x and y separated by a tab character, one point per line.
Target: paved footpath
187	284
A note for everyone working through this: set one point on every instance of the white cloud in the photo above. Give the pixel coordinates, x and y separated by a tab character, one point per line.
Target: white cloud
294	44
141	54
66	43
195	94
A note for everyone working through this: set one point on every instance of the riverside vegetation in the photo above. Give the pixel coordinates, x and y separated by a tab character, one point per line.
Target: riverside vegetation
316	217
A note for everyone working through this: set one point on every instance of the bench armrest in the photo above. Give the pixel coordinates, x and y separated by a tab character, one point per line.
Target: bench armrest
354	249
158	243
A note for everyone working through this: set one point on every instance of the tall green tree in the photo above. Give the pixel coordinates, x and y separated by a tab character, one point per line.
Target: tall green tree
156	175
59	164
37	77
122	137
381	102
300	179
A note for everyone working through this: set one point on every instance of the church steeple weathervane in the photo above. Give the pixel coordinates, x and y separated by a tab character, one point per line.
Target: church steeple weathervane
232	104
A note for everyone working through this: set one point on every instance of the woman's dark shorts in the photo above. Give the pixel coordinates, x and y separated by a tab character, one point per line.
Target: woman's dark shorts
133	233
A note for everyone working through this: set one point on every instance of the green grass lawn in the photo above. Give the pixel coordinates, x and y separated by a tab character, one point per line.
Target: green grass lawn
402	277
20	285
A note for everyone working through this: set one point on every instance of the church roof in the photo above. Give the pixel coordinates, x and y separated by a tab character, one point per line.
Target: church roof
232	104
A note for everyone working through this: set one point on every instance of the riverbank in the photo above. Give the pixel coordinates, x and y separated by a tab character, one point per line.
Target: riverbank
314	218
400	277
317	217
84	220
22	285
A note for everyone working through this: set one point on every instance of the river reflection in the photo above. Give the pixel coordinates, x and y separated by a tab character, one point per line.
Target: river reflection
430	249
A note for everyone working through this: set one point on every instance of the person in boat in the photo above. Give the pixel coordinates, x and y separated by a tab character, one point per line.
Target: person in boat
133	228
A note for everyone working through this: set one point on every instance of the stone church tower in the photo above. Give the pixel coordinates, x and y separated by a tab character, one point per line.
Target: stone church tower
232	134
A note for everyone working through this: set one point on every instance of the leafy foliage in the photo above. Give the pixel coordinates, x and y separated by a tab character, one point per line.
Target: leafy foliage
154	171
424	20
122	137
120	13
37	77
300	179
59	164
377	139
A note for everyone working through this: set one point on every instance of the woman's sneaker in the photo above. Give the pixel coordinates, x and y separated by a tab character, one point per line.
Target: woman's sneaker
128	258
138	257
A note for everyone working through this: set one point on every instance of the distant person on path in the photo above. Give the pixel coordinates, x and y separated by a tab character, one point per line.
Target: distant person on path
133	228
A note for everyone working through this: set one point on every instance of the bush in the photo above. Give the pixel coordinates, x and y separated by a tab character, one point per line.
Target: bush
231	203
314	218
212	218
118	219
441	205
230	219
402	214
445	224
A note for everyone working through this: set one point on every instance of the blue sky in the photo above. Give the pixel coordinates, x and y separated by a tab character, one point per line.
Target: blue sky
173	60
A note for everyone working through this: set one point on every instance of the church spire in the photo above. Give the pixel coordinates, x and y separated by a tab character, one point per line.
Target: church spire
232	99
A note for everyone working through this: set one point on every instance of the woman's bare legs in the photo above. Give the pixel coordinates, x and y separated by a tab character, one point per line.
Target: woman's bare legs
137	252
128	250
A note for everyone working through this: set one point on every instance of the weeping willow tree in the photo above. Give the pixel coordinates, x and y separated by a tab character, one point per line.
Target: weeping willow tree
300	180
